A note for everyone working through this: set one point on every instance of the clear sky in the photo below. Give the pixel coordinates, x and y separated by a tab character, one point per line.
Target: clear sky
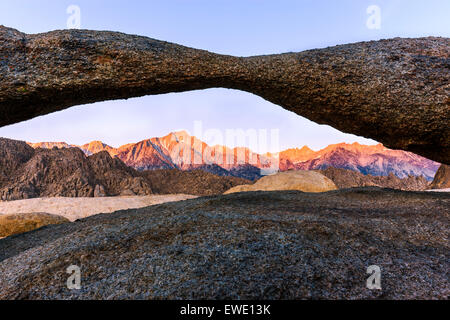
242	28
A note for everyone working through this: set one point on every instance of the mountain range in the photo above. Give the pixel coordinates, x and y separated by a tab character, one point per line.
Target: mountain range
63	170
179	150
68	172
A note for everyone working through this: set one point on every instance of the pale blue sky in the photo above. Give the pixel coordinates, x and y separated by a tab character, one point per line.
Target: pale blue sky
243	28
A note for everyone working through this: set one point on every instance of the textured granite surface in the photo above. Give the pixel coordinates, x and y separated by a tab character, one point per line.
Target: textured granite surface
256	245
395	91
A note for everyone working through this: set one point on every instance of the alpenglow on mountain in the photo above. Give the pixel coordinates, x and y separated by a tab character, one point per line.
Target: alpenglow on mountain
179	150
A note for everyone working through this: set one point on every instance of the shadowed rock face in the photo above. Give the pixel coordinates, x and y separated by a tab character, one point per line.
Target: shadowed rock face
442	178
394	91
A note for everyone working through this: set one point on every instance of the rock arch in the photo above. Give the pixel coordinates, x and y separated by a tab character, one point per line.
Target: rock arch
395	91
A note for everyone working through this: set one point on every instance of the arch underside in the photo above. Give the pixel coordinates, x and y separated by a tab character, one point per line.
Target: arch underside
394	91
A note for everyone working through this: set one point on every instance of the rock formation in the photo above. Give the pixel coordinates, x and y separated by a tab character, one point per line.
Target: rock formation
51	145
68	172
195	182
375	160
442	178
11	224
271	245
306	181
395	91
13	154
96	147
344	178
65	172
169	152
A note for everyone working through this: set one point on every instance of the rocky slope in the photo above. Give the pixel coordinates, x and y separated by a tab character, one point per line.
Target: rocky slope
145	155
195	182
51	145
306	181
182	151
185	152
68	172
442	178
265	245
350	179
394	91
374	160
214	169
246	171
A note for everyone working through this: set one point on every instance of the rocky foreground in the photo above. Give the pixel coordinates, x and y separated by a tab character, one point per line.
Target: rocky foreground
28	173
266	245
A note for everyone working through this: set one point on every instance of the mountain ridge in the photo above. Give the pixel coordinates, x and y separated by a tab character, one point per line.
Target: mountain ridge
179	150
68	172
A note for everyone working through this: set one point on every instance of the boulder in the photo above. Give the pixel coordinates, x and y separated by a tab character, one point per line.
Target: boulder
442	178
344	178
16	223
306	181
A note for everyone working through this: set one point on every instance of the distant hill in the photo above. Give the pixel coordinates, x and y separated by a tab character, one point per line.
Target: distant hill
60	169
344	178
374	160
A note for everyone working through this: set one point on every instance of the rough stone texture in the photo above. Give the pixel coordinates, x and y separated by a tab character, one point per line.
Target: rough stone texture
264	245
395	91
115	176
351	179
13	154
11	224
442	178
79	208
307	181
